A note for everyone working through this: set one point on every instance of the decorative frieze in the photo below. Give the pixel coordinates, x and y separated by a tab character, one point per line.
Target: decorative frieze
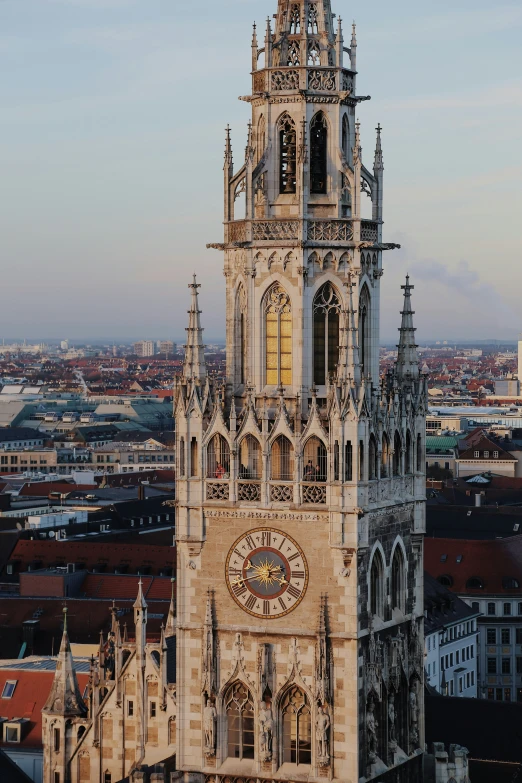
276	516
285	80
321	80
269	230
330	230
237	231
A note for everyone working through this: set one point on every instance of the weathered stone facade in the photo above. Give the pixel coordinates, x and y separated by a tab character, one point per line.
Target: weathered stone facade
314	673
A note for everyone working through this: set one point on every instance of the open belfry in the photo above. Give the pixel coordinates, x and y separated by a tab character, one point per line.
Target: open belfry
300	477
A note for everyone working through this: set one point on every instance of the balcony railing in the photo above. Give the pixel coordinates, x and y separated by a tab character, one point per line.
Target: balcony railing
276	230
313	493
249	491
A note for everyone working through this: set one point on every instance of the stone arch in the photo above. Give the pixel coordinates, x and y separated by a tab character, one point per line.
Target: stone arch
377	580
287	153
398	577
365	319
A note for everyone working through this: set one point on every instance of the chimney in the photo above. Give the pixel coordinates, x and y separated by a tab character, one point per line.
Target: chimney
141	491
478	500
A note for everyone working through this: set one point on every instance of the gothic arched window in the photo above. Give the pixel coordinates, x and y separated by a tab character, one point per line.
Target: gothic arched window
397	448
348	461
297	727
318	153
315	460
287	155
398	581
182	456
326	333
240	347
407	454
313	26
278	320
261	138
419	454
345	137
218	457
239	708
314	53
372	458
364	330
282	459
250	458
377	585
295	19
385	456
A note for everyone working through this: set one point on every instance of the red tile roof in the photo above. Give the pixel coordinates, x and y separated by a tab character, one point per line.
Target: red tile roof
27	701
490	561
121	587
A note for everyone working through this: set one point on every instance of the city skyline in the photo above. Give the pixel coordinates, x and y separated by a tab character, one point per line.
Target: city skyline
108	180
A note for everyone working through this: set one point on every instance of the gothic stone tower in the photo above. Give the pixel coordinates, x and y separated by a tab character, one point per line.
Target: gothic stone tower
301	477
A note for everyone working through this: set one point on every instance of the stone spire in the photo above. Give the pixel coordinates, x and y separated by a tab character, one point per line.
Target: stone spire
378	161
194	366
407	364
170	628
65	698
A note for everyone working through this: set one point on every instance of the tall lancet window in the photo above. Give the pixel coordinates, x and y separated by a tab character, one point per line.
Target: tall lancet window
318	144
239	708
364	330
345	141
295	19
297	727
287	155
240	347
278	323
326	333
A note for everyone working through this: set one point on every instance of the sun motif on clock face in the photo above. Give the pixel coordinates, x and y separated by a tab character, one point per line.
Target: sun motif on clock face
266	573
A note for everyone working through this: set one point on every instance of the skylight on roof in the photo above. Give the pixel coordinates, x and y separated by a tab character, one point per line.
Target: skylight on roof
443	558
9	689
459	558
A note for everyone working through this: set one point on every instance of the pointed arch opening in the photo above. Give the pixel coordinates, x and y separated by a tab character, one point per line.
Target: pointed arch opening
315	460
314	52
313	18
364	330
397	454
372	458
182	457
408	455
218	458
239	709
295	19
287	154
377	585
345	136
420	455
326	309
385	456
250	464
282	459
278	326
318	153
348	461
240	335
297	727
261	138
398	581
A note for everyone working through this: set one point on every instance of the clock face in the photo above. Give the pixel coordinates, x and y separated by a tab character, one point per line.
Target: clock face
266	573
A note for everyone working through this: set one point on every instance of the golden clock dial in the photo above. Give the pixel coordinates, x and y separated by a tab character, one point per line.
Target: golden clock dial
266	573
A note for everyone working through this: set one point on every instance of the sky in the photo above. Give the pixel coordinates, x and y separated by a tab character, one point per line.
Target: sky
112	127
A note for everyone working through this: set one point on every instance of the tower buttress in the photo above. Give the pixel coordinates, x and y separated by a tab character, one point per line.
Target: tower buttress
140	623
194	366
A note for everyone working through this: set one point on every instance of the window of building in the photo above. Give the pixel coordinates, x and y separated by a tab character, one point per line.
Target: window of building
282	459
499	694
507	694
407	455
519	664
475	583
318	153
377	585
519	608
491	609
345	137
385	456
107	778
348	461
278	325
434	668
194	457
509	583
491	694
130	708
218	458
461	688
372	458
420	456
495	454
361	461
451	688
506	665
451	659
287	154
506	635
486	455
518	633
476	454
239	708
457	656
429	670
336	460
397	454
472	649
442	664
297	728
12	732
507	610
472	678
468	680
250	464
153	709
56	740
9	689
56	777
445	579
492	665
398	581
315	460
326	309
491	635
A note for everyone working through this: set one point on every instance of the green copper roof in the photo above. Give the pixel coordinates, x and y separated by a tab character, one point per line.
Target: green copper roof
440	442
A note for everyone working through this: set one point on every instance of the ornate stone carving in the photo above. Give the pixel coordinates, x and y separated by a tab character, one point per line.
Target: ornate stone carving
322	727
277	516
209	728
248	491
330	230
237	231
322	664
347	82
368	231
321	80
259	81
314	493
217	491
285	80
270	230
281	493
208	666
392	720
266	732
414	715
371	731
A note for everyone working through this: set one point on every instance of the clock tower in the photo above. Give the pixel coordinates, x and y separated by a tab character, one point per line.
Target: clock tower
300	475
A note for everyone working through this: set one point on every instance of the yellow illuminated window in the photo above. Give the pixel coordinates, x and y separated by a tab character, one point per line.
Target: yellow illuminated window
278	338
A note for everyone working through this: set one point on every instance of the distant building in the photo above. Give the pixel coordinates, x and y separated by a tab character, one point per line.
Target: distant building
64	345
485	456
166	346
507	387
144	348
450	641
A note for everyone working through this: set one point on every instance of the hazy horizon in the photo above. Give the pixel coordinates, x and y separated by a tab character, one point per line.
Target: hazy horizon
113	117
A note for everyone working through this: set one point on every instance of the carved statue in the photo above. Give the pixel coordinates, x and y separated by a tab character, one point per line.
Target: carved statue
392	717
266	731
322	728
414	715
209	728
371	731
